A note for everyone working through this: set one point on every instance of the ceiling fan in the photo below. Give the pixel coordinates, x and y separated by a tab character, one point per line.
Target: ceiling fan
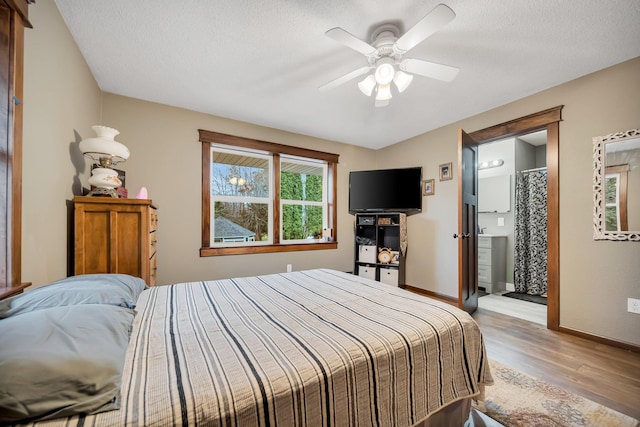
385	56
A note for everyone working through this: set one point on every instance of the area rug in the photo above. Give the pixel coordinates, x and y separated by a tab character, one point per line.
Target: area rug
517	399
526	297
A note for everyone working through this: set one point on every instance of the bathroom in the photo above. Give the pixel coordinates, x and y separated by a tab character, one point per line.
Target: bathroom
512	226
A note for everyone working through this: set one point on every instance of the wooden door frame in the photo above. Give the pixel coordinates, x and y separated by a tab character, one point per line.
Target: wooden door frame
548	120
467	246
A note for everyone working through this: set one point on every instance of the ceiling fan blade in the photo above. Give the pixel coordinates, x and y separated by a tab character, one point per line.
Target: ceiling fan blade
349	40
445	73
343	79
433	21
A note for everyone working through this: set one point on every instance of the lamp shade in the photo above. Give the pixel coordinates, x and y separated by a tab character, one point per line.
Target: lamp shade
104	150
367	85
384	92
402	80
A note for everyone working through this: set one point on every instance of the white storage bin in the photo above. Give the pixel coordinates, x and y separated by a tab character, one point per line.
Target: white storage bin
389	276
367	272
367	254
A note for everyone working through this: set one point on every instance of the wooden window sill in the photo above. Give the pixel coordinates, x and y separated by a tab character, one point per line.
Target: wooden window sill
262	249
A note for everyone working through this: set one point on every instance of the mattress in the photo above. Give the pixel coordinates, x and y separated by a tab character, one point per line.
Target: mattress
308	348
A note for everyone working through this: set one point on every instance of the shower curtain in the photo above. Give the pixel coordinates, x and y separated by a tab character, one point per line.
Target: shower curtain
530	258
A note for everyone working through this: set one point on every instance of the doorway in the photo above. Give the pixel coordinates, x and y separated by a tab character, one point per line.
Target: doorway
548	120
512	234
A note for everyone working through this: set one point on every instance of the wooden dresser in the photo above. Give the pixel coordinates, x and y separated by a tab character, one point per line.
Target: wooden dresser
115	236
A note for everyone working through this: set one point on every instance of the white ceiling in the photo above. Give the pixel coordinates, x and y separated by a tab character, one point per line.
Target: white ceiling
262	61
535	138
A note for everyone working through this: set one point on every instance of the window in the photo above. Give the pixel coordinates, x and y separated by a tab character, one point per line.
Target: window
240	197
302	199
265	197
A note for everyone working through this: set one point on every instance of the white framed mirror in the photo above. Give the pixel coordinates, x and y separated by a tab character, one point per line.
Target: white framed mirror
616	186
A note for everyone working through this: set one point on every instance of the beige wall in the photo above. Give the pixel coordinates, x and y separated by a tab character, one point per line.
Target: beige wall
596	277
166	158
62	101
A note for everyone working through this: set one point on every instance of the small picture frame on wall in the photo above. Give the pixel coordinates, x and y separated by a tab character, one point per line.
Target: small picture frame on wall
445	172
428	187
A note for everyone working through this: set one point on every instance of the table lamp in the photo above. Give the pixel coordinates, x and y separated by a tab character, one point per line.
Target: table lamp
105	152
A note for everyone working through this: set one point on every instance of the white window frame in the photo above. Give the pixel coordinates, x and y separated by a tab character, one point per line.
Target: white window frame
242	199
323	203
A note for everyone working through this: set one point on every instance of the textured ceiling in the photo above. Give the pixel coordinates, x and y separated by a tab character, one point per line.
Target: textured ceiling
262	61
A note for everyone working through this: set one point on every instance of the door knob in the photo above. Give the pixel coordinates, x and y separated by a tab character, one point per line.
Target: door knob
462	236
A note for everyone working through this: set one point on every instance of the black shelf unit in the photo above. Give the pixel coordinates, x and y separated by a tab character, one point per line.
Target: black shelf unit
373	232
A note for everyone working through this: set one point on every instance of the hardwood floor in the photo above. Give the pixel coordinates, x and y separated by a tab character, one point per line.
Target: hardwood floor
601	373
515	308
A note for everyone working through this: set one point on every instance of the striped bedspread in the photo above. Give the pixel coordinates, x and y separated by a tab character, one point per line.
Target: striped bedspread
309	348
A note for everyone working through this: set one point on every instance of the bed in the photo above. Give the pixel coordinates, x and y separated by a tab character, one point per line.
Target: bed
308	348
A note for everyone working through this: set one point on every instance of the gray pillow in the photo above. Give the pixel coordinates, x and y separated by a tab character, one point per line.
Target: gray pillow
114	289
62	361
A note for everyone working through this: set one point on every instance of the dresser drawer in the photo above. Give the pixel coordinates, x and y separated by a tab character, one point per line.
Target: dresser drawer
484	273
389	276
153	220
153	243
484	256
484	242
153	270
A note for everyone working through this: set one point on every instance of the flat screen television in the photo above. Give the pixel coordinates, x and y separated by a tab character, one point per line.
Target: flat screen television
386	190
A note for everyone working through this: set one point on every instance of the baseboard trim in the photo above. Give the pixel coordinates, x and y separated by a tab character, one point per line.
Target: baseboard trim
431	294
602	340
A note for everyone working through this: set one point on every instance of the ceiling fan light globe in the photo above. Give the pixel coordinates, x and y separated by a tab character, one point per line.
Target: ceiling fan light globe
367	85
384	93
402	80
385	72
